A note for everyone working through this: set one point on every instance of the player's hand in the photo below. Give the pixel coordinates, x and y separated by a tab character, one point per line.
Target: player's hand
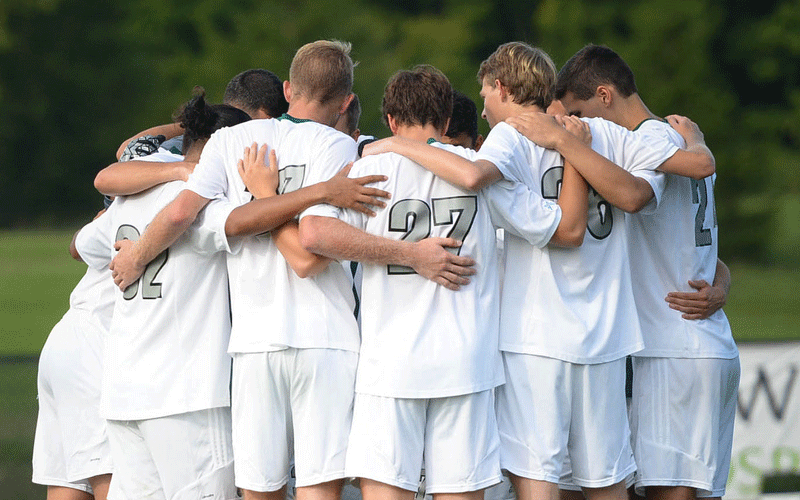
540	128
700	304
576	127
185	169
261	180
125	269
344	192
431	260
688	129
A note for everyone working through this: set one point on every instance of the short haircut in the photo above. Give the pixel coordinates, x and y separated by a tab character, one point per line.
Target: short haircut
200	119
254	90
590	67
322	71
527	72
352	115
464	119
420	96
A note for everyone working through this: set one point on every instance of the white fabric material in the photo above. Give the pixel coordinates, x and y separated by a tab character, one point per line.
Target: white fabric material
71	444
682	414
455	438
549	408
179	457
585	293
94	293
166	348
668	248
450	338
291	404
315	312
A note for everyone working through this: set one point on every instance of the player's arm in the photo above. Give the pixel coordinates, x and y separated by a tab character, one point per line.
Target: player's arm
429	257
73	250
696	161
134	176
170	223
168	130
269	210
471	175
618	186
707	300
573	200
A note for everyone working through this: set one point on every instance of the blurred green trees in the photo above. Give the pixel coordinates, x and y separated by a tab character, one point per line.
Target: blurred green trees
79	76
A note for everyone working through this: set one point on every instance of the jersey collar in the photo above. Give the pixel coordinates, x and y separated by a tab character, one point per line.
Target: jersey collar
647	120
287	116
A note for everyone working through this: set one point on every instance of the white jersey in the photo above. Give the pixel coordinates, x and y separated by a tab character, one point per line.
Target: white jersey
668	248
94	294
166	347
272	307
573	304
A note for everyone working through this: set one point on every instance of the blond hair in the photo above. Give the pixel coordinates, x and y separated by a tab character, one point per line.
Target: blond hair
322	71
527	72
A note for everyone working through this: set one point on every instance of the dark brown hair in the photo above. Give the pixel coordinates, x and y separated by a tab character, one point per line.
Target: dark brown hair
420	96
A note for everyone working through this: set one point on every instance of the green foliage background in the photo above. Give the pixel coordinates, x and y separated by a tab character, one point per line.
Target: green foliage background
79	76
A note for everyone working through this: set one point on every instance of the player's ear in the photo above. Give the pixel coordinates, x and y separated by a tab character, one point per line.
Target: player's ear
479	142
605	94
287	91
446	126
503	89
346	103
392	123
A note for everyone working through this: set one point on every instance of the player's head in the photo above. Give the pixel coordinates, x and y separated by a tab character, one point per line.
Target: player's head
200	119
515	75
257	92
348	122
418	97
322	74
463	129
591	79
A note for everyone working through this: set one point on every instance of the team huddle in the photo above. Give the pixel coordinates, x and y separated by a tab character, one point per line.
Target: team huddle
429	301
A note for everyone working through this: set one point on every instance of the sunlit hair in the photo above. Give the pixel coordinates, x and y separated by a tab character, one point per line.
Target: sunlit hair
527	72
420	96
592	66
322	71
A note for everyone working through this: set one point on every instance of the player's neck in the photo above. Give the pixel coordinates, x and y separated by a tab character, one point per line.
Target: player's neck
515	109
418	132
303	109
632	112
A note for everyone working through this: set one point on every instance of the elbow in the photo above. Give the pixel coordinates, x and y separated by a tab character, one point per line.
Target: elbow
101	183
309	234
309	267
706	167
573	238
181	217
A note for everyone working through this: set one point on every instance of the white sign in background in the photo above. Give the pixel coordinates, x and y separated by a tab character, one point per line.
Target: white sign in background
766	436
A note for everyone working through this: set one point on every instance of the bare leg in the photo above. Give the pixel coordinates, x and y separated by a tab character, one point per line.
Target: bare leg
533	489
571	495
99	486
469	495
670	493
332	490
64	493
374	490
613	492
264	495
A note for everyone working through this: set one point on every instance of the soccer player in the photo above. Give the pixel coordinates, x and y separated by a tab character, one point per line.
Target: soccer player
305	359
567	317
166	372
463	128
682	450
443	407
348	122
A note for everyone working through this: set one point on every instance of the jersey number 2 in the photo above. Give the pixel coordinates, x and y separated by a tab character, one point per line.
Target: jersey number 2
413	218
150	288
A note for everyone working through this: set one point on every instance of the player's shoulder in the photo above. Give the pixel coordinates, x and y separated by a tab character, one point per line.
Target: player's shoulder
469	154
653	128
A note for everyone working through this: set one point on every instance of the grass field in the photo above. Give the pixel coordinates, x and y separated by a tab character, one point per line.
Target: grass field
37	275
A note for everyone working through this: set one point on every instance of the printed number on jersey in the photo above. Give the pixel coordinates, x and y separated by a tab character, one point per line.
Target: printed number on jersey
702	235
413	219
601	217
151	289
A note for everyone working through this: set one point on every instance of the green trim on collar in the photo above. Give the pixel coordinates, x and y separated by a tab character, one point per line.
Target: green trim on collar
287	116
431	140
646	120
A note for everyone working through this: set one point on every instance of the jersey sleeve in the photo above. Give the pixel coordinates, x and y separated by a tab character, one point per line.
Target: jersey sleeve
209	179
207	233
502	149
328	161
95	241
524	213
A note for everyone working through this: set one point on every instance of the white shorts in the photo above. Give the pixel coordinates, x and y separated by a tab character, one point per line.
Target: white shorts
682	414
455	438
291	404
178	457
71	443
549	408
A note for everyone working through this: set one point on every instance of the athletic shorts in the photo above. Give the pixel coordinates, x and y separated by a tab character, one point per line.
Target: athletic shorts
179	457
455	438
71	443
549	408
291	404
682	414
